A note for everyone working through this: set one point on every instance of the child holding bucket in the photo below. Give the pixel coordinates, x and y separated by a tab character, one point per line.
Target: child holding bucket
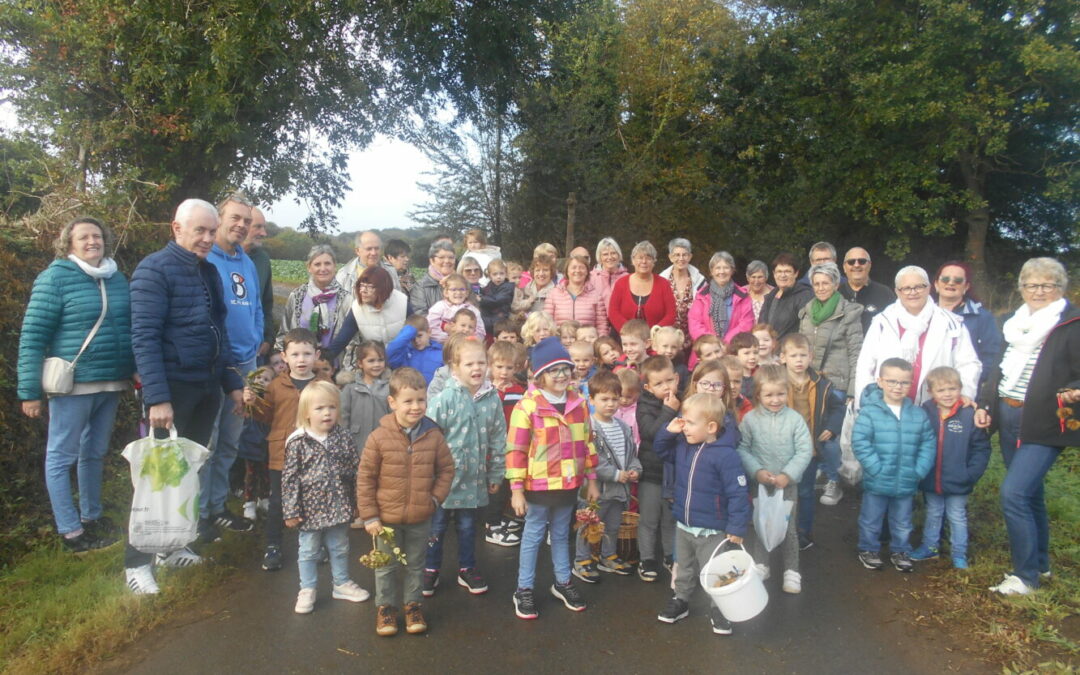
712	504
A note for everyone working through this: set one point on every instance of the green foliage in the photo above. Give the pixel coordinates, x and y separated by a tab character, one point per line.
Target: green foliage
288	271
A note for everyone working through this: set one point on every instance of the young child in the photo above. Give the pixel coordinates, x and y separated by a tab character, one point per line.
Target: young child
768	346
607	353
317	487
822	407
657	406
587	334
443	375
893	440
513	272
668	341
630	382
567	332
775	449
277	362
470	413
537	326
963	451
443	312
549	454
707	347
363	401
711	499
413	348
405	472
744	347
495	298
711	377
618	467
581	353
324	370
253	450
506	360
734	368
634	337
278	410
508	330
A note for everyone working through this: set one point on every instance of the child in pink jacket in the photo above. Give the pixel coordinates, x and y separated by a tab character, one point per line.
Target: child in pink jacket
455	297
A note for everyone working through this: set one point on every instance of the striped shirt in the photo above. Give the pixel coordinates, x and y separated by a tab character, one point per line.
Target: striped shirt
1013	386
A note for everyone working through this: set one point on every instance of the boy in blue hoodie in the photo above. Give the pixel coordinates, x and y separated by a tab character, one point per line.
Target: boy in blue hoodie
894	442
413	348
963	452
712	504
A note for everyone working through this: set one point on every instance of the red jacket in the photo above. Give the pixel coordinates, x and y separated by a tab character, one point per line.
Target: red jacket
659	307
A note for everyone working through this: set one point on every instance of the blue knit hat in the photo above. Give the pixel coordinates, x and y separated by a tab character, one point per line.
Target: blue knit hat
549	353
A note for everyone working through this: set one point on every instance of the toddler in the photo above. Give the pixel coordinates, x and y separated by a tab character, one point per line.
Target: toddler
413	348
581	353
324	370
567	332
443	312
508	330
768	344
495	298
587	334
668	341
734	368
657	406
514	272
277	362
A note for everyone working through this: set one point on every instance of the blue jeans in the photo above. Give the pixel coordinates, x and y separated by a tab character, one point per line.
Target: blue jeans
336	539
830	458
537	520
79	431
465	524
224	444
1022	500
954	507
872	515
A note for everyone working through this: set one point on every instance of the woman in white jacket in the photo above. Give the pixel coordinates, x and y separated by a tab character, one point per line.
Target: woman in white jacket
377	313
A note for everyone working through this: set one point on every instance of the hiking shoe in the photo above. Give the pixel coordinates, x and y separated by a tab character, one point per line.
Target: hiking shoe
792	582
141	580
647	570
669	562
762	570
720	624
525	604
350	591
615	565
924	553
832	495
385	621
271	561
431	581
83	543
570	596
181	557
871	560
805	541
959	562
305	601
1012	585
414	619
234	523
249	511
208	532
586	571
676	609
902	562
103	531
470	578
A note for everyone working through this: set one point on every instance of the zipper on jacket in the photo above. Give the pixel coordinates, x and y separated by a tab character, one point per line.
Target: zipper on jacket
690	483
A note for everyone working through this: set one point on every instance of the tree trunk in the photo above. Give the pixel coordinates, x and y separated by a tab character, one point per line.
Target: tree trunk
571	207
977	219
497	224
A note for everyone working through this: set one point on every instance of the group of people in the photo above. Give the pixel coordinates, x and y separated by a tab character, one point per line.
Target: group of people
523	398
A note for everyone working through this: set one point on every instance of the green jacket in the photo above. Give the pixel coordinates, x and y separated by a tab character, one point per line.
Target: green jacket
475	429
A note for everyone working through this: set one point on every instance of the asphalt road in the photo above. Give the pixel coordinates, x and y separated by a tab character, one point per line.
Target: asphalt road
847	619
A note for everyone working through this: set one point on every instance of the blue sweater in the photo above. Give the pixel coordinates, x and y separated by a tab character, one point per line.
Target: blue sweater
963	451
243	306
401	352
895	453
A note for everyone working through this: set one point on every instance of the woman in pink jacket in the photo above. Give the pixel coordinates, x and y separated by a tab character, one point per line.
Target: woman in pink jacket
609	267
721	308
575	298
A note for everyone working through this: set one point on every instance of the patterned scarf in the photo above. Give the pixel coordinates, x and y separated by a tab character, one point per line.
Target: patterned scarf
319	307
718	309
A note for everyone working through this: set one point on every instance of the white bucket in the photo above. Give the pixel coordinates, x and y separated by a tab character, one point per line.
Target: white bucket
744	598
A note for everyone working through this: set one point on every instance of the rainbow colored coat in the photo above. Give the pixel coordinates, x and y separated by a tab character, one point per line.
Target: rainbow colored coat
546	450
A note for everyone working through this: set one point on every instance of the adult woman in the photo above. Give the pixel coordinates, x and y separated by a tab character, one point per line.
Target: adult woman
1032	392
757	285
428	290
575	298
474	274
377	312
609	267
834	327
915	329
721	308
642	295
781	307
953	291
531	297
685	280
64	310
477	247
321	304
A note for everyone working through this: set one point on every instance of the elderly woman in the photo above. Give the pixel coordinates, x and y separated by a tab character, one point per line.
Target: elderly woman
685	280
531	297
428	290
721	308
576	299
377	312
915	329
1034	393
321	305
609	267
833	326
79	311
642	295
757	286
477	248
781	307
953	291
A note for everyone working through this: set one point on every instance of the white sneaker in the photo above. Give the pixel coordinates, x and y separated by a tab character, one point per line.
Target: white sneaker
249	510
263	505
141	580
792	581
305	601
763	571
832	495
181	557
350	591
1012	585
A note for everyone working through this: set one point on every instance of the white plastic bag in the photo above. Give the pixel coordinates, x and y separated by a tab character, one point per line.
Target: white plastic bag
771	514
165	507
850	469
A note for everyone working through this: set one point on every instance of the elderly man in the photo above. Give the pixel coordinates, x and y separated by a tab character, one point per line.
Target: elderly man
182	352
860	288
253	246
368	253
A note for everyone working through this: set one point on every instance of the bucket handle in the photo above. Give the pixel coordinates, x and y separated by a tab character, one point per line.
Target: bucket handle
721	545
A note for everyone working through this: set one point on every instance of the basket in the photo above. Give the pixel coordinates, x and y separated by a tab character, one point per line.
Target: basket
626	545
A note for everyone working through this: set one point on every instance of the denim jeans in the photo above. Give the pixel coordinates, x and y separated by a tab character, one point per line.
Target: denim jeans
336	539
1022	500
537	520
954	507
871	516
465	524
224	444
830	458
807	498
610	514
412	539
655	517
79	431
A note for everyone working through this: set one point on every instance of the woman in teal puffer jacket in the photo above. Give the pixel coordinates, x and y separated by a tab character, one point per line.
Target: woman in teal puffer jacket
65	303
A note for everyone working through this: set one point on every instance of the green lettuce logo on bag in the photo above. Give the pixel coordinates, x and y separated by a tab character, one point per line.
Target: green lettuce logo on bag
164	465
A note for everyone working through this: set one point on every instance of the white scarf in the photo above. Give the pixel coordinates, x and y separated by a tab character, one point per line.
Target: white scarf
105	269
914	326
1025	334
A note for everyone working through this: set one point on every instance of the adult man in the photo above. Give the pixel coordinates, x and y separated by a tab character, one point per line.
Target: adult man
858	287
244	322
254	249
368	253
182	351
820	253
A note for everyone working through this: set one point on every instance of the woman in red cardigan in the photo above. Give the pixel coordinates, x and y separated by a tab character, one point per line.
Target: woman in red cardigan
642	295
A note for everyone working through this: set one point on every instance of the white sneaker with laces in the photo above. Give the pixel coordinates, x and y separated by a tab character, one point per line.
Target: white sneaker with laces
792	582
141	580
763	571
249	510
832	495
1012	585
181	557
305	601
350	591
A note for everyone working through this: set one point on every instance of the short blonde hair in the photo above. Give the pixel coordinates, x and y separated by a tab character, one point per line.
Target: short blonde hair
310	393
942	375
569	328
581	348
769	374
709	405
495	264
533	323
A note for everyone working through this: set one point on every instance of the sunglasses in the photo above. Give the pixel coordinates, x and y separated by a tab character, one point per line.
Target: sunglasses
856	261
951	280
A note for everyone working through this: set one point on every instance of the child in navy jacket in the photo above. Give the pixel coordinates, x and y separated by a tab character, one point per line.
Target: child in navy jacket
495	298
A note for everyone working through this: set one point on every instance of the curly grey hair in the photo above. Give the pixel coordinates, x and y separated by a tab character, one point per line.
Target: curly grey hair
62	244
678	242
1048	268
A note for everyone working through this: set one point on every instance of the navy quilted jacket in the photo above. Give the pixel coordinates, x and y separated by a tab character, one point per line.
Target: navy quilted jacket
895	453
963	451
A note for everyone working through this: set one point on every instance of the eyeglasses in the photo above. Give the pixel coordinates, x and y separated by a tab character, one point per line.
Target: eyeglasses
856	261
912	290
951	280
711	386
456	290
471	270
893	384
1045	288
364	286
559	371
